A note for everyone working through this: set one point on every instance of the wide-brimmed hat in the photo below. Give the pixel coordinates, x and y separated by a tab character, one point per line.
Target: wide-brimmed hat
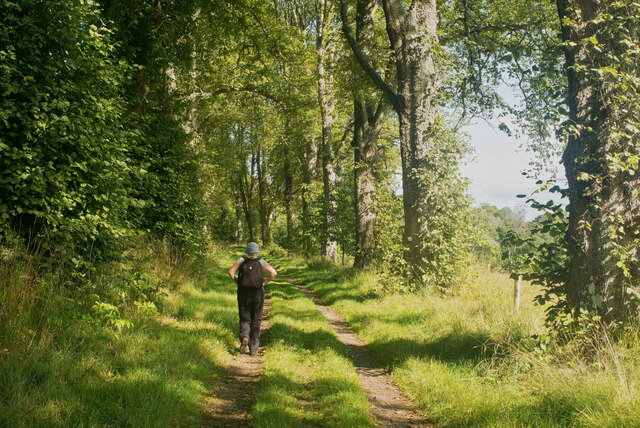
252	248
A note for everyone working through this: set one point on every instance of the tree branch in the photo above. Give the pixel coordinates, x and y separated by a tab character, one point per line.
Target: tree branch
386	89
475	31
345	135
381	110
247	88
393	13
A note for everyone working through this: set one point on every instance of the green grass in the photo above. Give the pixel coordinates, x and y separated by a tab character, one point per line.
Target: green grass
466	359
158	373
161	371
308	379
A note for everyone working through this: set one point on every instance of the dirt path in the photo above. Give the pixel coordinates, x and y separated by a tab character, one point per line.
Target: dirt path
390	407
230	406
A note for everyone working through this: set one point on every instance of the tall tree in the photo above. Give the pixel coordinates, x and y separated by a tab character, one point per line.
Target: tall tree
325	45
412	34
369	111
239	231
264	205
601	157
246	177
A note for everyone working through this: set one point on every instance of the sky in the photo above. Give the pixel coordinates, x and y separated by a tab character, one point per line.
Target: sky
495	169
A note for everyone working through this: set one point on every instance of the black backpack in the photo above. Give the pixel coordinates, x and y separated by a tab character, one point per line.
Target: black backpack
250	273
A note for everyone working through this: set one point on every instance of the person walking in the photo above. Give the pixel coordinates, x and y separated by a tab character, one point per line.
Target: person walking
250	282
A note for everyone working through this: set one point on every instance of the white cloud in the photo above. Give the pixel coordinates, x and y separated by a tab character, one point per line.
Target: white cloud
496	169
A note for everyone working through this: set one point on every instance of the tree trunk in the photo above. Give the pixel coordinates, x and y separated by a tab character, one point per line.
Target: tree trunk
238	234
306	224
367	127
308	175
369	113
412	33
365	189
247	184
325	48
288	200
265	228
603	211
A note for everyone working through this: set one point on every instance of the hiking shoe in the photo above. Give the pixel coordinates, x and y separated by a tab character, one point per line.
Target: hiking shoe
253	353
244	345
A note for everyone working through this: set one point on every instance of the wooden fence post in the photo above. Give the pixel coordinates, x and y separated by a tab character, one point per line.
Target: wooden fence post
516	291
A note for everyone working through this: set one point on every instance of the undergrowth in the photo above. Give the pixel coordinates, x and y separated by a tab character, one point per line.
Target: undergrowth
132	343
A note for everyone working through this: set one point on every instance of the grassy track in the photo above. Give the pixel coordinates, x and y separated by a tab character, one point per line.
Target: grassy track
308	379
161	371
466	359
156	374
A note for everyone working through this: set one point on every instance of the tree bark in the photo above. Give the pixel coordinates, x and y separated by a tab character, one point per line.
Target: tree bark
367	128
601	200
263	206
288	201
247	184
412	33
369	113
238	234
306	223
308	176
325	49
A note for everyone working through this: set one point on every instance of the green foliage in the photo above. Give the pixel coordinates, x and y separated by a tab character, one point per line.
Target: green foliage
84	156
65	164
488	221
389	257
345	212
173	194
450	235
614	53
142	369
600	127
545	256
109	315
170	188
500	234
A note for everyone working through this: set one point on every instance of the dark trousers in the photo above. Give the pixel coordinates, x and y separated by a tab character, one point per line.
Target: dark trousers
250	305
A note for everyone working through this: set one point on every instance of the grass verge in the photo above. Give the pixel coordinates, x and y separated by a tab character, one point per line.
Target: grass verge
467	358
157	372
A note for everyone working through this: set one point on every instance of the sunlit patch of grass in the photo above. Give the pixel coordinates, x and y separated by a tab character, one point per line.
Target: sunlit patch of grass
467	357
308	380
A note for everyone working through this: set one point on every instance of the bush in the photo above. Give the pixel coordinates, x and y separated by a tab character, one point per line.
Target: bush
64	163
